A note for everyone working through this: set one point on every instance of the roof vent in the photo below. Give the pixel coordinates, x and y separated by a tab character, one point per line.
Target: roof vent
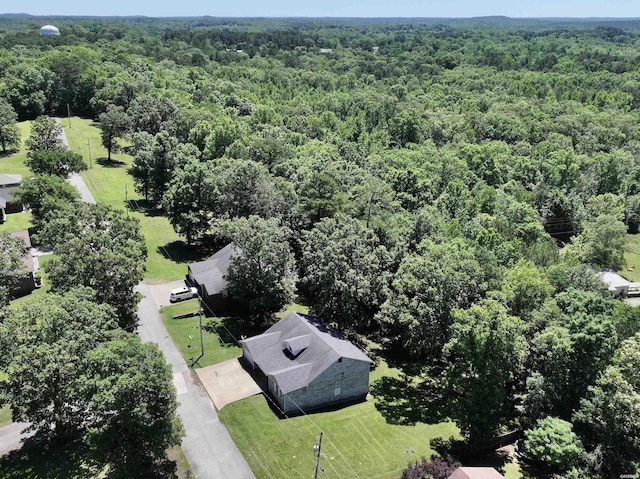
297	344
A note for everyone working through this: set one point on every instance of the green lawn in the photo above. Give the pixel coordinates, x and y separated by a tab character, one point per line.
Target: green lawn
16	222
357	441
14	163
215	349
111	184
631	271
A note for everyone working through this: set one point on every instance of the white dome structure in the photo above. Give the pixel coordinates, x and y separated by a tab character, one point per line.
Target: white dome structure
49	30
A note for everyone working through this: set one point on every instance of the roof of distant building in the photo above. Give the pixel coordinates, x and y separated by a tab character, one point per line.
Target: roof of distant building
210	272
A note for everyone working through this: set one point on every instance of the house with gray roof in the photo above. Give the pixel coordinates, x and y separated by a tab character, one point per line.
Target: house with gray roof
307	364
8	185
208	277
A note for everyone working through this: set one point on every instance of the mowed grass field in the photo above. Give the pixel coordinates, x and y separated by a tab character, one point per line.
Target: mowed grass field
631	271
111	184
357	440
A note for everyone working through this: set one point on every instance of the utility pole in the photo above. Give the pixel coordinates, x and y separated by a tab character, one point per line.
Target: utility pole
69	114
201	339
89	148
317	448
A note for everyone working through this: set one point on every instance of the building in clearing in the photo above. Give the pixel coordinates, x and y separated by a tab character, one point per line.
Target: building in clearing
618	286
49	30
307	365
8	185
208	277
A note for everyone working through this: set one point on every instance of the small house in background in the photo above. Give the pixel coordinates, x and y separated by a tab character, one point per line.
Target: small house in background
375	49
208	277
307	365
326	50
476	473
49	31
618	286
8	185
28	282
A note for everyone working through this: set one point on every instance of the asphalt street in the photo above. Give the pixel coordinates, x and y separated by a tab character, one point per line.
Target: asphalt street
207	444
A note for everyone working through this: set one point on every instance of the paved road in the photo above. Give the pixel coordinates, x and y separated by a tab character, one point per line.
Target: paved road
75	179
211	452
11	437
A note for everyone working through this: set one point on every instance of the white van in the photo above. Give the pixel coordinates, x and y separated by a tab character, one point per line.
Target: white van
180	294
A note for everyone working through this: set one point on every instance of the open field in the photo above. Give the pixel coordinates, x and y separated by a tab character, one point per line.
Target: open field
631	271
111	184
14	163
357	440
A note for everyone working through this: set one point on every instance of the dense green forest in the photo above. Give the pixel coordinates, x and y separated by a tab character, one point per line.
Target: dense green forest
447	189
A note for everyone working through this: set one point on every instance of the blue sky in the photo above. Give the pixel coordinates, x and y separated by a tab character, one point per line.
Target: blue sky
330	8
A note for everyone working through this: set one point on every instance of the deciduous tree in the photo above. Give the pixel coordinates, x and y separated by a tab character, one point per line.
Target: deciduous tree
9	132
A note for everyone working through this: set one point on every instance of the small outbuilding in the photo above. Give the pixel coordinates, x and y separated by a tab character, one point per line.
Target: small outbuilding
8	185
307	365
618	286
49	30
208	277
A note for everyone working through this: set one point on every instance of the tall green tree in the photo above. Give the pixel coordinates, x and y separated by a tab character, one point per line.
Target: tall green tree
101	248
133	406
46	135
12	268
486	355
44	346
56	162
191	199
553	441
44	194
344	271
114	123
426	288
264	273
9	132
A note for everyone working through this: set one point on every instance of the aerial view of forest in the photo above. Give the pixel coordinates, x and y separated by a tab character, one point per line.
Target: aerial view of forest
445	193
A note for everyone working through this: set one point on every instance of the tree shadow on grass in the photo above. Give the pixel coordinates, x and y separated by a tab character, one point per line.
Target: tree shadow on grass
39	458
180	252
110	163
403	401
8	153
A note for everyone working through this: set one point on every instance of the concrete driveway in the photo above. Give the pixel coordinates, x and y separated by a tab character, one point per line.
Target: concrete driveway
227	382
160	292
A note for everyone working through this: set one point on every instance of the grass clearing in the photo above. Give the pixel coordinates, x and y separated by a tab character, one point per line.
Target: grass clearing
14	163
357	441
111	184
186	337
16	222
631	271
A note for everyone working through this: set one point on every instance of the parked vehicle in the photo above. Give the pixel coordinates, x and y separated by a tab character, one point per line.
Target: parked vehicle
180	294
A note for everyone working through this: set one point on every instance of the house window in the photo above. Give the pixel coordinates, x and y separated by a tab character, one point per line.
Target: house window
336	392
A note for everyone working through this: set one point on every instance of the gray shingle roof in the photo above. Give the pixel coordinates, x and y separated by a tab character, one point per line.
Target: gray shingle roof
324	346
9	180
210	272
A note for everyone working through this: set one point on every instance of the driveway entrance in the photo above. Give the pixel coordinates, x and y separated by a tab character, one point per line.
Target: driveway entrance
227	382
